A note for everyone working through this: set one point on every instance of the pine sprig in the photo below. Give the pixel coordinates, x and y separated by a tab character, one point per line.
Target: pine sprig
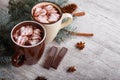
5	59
63	34
59	2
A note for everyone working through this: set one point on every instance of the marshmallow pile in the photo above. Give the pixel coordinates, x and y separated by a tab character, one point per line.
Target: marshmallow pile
46	14
28	35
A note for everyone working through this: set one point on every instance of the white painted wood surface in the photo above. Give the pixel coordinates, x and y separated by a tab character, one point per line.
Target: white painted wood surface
100	59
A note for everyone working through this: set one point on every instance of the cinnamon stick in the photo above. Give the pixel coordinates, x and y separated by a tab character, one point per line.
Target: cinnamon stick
77	14
79	34
82	34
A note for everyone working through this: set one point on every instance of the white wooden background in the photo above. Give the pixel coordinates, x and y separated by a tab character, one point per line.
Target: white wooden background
100	59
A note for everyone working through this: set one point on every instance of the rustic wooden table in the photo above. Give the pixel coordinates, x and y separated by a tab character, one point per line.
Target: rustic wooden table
100	59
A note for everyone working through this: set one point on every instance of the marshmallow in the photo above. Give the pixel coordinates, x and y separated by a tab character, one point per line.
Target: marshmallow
35	36
22	28
22	39
37	31
49	7
26	30
37	9
43	19
29	30
16	34
54	11
36	14
42	12
33	42
53	17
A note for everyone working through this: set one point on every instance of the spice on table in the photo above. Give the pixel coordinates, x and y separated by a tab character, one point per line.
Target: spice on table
70	8
76	14
71	69
82	34
41	78
79	33
80	45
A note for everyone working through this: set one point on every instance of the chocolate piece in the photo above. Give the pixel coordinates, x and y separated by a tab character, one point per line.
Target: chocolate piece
59	57
51	54
40	78
71	69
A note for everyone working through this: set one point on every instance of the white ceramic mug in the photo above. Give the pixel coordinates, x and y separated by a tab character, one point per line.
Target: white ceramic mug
53	28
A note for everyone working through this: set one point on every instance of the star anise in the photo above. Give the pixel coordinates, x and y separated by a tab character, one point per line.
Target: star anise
41	78
71	69
80	45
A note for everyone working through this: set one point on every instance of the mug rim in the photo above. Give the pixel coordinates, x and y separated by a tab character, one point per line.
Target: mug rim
43	39
61	13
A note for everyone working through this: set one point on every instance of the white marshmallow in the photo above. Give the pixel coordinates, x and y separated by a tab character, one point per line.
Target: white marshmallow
26	31
23	31
16	34
35	36
33	42
37	9
22	39
49	7
29	30
53	17
37	31
53	11
42	12
22	28
43	19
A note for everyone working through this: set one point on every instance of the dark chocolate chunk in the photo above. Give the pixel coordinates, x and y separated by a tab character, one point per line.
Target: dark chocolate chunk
41	78
51	55
59	57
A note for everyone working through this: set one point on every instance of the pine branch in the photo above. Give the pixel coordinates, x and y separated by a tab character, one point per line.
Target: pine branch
63	34
79	33
5	59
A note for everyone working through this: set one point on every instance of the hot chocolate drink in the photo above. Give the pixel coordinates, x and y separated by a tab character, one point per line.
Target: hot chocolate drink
51	17
29	42
46	14
28	35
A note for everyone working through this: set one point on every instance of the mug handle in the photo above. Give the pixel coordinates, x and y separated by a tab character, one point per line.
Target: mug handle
68	22
18	59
